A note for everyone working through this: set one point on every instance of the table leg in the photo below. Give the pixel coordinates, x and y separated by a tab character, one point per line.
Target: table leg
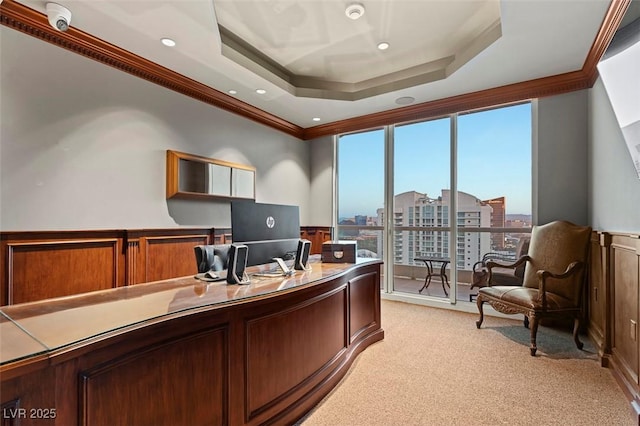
443	277
427	279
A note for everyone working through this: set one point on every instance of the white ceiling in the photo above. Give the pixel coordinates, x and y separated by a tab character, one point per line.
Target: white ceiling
313	49
535	38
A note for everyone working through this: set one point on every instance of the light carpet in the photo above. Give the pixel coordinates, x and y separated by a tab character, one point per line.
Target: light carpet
434	367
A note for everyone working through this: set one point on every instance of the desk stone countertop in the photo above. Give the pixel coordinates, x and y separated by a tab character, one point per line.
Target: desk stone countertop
33	328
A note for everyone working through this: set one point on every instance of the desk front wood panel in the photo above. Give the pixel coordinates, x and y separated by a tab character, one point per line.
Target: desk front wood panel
31	391
289	347
265	360
176	383
362	315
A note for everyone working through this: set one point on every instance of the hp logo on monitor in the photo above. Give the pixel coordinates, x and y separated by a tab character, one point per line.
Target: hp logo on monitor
271	222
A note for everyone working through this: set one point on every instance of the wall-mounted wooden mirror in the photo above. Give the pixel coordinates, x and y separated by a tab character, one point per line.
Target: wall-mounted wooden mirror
192	176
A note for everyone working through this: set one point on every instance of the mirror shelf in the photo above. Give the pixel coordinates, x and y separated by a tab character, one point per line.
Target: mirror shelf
193	176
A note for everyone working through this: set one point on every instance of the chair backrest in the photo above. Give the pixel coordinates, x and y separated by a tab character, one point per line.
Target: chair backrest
521	249
212	257
553	247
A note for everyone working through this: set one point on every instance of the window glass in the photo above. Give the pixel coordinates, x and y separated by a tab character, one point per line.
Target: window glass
494	174
361	190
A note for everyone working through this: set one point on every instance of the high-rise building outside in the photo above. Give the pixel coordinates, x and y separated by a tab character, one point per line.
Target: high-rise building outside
415	209
498	220
360	220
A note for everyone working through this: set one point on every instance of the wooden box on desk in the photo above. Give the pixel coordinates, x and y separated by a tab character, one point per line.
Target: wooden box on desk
339	251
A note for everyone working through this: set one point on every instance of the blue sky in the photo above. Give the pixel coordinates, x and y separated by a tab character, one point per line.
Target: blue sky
494	160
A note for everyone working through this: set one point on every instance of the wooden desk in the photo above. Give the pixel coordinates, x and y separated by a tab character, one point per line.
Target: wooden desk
428	262
182	351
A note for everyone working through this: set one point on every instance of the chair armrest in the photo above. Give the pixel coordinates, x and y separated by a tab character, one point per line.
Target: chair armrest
492	264
475	265
543	275
492	256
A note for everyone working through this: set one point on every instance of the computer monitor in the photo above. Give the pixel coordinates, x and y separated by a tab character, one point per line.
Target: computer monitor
268	230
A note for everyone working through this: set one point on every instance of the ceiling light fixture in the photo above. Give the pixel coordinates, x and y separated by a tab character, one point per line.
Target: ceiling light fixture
383	46
232	92
261	91
316	118
168	42
354	11
405	100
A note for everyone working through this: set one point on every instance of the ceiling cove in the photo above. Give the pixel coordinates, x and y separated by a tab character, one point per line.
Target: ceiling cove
330	57
21	18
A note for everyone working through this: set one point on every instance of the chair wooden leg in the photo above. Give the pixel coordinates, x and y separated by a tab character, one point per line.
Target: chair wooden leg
534	330
576	329
480	302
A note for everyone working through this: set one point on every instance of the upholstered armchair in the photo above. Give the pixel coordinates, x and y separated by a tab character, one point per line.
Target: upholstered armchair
553	282
500	276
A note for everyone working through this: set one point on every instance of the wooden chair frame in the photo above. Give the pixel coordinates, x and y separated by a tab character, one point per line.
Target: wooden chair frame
538	307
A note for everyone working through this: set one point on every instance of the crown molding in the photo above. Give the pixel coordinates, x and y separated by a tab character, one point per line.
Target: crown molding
538	88
31	22
35	24
608	29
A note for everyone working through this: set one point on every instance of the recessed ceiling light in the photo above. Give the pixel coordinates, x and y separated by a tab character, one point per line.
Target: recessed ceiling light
354	11
405	100
232	92
383	46
316	118
261	91
168	42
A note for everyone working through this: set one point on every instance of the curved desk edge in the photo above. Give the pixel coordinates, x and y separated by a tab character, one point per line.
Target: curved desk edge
265	360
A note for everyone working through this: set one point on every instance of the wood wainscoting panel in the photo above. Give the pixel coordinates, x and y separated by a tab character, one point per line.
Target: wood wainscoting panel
287	348
183	382
363	315
43	270
317	235
170	256
624	277
597	293
222	236
135	267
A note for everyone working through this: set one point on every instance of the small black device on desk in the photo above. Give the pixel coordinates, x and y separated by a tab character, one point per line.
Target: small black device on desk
339	251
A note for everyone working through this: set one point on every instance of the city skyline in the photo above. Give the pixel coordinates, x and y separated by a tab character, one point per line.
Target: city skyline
515	217
494	160
429	217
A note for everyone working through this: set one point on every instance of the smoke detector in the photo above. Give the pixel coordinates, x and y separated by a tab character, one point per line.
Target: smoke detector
354	11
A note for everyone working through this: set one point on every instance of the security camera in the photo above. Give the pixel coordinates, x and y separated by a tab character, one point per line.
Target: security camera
59	16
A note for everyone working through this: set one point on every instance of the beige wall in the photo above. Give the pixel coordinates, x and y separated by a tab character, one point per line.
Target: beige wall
559	157
614	187
83	146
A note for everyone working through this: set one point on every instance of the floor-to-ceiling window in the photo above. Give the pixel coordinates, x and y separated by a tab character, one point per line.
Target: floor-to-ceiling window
461	188
494	187
421	182
360	190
